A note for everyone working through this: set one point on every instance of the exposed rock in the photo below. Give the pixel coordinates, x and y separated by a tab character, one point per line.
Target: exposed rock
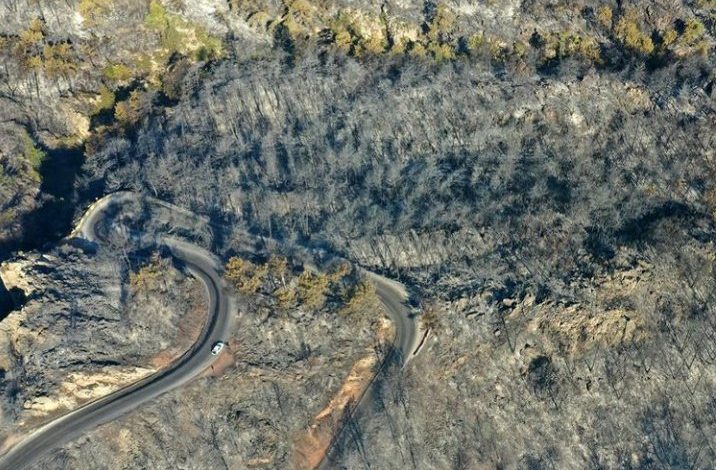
81	387
14	276
81	334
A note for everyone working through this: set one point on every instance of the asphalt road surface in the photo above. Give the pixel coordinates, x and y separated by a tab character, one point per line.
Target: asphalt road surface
394	298
405	344
207	269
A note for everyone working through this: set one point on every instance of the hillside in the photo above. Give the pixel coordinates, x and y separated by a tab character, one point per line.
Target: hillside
540	175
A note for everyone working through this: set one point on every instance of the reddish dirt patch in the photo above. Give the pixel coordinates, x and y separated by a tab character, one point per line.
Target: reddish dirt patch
311	447
222	363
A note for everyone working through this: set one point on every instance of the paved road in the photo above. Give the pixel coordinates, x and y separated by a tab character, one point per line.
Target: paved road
393	296
206	269
406	342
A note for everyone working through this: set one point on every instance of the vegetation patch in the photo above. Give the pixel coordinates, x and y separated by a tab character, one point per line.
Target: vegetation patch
32	155
117	73
178	35
149	276
306	289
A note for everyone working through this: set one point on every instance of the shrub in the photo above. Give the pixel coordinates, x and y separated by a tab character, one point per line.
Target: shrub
244	275
148	276
144	63
106	100
475	42
669	37
129	112
605	16
34	33
441	52
32	62
569	44
259	19
312	290
301	8
343	40
32	154
375	44
693	31
340	271
519	49
6	216
702	48
117	72
58	59
157	17
179	35
417	50
628	32
361	297
439	28
285	296
209	46
278	267
441	24
94	11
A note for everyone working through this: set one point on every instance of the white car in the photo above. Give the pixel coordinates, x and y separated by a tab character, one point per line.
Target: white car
217	347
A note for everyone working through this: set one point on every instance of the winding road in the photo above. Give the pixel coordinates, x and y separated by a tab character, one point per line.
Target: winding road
406	344
207	269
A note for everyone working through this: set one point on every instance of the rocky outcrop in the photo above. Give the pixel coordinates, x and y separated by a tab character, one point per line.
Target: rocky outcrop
83	331
80	387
